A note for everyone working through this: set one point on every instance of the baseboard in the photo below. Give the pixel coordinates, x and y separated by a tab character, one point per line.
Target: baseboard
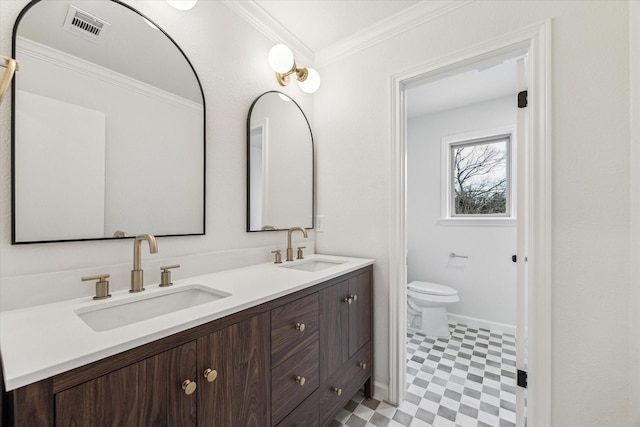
480	323
381	391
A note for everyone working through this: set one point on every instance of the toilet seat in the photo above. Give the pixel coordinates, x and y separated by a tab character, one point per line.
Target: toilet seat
429	288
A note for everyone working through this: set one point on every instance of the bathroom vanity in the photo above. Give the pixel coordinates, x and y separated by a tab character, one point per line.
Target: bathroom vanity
285	346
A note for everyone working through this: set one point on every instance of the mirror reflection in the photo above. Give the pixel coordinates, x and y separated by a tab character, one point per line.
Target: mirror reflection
280	165
108	126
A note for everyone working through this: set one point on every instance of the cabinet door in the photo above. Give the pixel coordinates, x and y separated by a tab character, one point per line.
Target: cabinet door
334	328
360	312
240	394
142	394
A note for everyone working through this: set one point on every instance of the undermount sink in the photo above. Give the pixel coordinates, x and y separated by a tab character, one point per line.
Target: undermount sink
128	311
314	265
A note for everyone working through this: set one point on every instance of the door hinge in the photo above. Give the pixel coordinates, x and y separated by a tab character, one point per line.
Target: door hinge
522	99
522	378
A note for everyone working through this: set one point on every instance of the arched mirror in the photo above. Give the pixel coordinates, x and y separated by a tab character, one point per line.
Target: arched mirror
280	169
108	126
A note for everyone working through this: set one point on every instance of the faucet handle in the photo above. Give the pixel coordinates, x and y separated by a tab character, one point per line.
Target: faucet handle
300	254
278	256
165	276
102	285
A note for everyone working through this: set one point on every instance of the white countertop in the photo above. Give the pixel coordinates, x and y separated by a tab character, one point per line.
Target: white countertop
42	341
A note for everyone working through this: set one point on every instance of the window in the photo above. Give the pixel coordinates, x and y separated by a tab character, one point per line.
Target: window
478	177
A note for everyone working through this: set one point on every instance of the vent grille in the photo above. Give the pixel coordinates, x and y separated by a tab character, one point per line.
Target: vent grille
85	25
82	22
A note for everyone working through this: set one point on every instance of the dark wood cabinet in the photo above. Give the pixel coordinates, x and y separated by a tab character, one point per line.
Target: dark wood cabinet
345	321
293	327
360	311
334	325
145	393
292	361
239	393
345	338
305	415
295	355
158	390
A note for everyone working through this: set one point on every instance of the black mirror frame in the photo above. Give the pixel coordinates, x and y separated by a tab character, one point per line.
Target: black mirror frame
13	139
248	167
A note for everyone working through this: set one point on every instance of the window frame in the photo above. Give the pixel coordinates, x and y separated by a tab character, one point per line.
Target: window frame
448	144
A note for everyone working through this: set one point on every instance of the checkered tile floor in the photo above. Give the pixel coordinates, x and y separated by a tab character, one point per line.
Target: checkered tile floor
467	380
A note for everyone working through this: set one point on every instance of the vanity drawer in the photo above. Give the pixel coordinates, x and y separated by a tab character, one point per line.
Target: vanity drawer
293	381
344	383
293	327
305	415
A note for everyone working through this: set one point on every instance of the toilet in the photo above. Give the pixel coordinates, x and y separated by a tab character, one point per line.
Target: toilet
429	300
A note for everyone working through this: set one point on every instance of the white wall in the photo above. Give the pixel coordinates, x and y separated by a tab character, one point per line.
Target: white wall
634	294
486	281
54	134
230	58
590	167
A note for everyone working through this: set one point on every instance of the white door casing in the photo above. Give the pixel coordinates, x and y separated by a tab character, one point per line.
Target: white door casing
535	156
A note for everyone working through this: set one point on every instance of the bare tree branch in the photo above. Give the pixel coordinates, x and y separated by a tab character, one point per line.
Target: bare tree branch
480	179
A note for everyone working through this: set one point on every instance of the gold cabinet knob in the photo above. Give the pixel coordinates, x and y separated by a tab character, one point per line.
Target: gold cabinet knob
348	300
210	374
337	391
354	297
362	365
300	380
189	387
300	326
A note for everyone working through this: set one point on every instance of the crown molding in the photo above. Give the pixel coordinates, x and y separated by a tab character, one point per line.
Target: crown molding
260	19
392	26
398	23
63	60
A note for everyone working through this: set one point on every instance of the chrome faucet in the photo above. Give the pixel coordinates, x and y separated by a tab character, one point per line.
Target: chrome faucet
136	273
289	248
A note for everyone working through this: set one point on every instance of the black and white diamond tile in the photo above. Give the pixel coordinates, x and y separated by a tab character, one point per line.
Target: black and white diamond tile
467	380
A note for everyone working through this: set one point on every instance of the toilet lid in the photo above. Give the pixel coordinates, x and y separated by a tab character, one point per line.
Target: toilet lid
431	288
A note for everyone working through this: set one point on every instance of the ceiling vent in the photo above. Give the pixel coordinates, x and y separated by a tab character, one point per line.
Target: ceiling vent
85	25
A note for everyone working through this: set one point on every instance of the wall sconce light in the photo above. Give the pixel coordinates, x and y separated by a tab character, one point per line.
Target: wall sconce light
282	62
182	4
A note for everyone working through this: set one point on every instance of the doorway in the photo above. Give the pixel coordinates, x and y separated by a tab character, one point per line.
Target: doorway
462	150
533	220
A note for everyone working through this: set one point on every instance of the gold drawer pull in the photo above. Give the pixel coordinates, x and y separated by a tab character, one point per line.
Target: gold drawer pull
189	387
362	365
348	300
337	391
354	297
210	374
300	380
300	327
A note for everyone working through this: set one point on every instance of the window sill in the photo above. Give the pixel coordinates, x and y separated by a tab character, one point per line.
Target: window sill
478	222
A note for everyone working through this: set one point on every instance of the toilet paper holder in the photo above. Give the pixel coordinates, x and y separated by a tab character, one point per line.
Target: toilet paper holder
455	255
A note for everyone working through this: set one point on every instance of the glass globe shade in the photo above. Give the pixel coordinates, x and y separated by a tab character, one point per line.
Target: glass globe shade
182	4
312	83
280	58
